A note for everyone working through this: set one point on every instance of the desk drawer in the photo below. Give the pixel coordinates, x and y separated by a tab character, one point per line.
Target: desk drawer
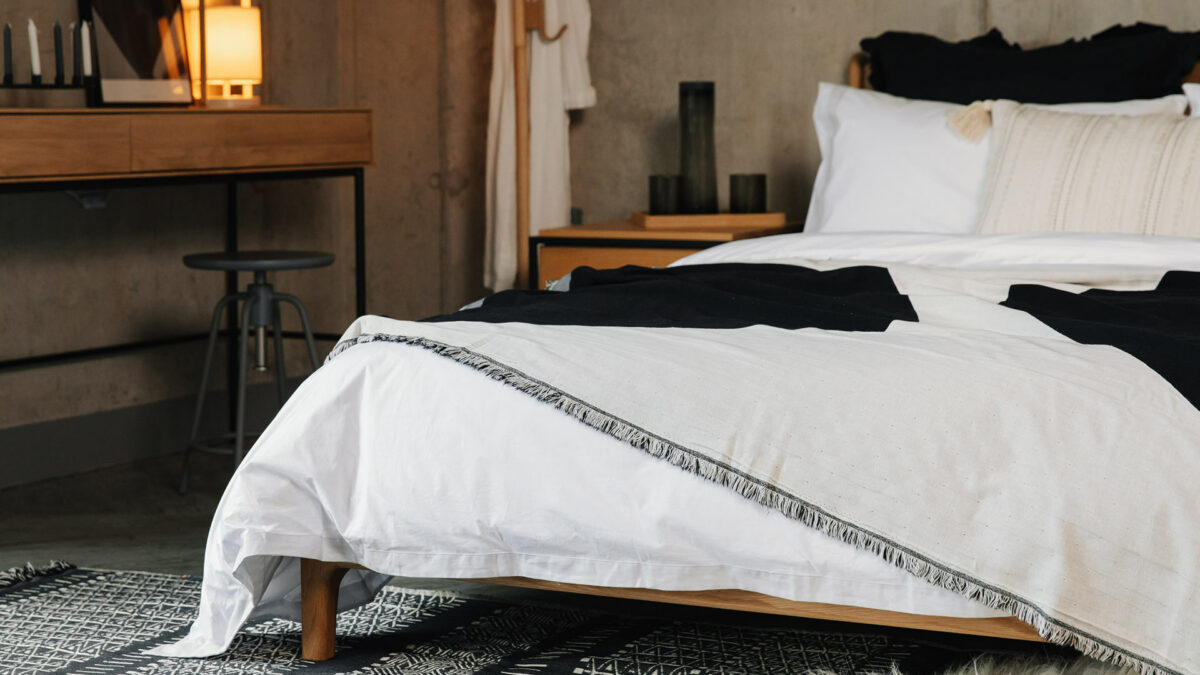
33	146
250	139
555	261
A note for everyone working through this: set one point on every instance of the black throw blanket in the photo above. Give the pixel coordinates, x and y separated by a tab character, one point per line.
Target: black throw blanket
1160	327
728	295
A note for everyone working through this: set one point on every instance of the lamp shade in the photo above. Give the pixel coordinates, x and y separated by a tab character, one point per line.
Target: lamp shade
234	37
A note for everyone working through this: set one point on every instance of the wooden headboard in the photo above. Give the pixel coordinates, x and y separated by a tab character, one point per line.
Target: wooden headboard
860	71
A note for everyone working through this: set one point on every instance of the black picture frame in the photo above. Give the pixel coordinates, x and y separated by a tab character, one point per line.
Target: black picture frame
139	53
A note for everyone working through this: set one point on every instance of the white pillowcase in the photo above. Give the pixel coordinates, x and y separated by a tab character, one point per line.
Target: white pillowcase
1192	91
1057	172
894	164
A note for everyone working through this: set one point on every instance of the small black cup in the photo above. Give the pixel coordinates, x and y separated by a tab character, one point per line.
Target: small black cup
748	193
664	195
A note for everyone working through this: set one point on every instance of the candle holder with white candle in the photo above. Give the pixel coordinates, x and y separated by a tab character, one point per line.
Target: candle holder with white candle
36	79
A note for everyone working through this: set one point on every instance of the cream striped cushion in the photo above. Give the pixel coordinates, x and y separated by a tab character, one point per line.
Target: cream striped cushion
1064	172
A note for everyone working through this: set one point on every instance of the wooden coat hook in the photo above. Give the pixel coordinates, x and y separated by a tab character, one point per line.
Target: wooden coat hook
535	20
528	15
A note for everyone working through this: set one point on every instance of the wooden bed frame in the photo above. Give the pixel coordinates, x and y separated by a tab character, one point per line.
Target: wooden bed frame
319	598
320	580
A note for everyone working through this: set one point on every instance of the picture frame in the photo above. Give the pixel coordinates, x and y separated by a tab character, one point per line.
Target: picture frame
139	52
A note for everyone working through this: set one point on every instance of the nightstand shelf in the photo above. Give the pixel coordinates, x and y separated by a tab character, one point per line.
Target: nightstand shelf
555	252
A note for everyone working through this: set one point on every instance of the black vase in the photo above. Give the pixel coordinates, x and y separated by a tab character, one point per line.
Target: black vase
697	152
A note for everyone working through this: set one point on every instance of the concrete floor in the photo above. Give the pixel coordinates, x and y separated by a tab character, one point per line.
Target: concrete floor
125	517
131	517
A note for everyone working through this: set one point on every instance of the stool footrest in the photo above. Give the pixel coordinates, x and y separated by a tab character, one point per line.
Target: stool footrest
221	444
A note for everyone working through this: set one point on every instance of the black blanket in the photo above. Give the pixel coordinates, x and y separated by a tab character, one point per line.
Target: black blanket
1160	327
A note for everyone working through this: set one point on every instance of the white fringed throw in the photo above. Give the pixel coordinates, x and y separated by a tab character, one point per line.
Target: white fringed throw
978	449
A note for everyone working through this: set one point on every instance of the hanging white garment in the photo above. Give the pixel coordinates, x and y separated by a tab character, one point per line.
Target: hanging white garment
558	81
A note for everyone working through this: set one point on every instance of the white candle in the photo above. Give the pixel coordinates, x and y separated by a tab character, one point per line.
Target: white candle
35	58
86	47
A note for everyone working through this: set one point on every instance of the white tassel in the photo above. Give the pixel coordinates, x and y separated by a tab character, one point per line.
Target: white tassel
972	122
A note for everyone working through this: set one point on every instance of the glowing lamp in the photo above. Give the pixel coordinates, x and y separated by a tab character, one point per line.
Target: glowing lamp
233	37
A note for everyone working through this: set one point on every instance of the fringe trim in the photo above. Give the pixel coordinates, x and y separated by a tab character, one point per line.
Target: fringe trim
16	575
1052	629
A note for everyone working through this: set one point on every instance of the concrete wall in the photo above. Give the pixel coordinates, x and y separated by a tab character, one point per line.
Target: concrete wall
74	279
766	57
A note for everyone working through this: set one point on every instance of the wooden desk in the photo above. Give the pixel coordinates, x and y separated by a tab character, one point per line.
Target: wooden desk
98	148
554	252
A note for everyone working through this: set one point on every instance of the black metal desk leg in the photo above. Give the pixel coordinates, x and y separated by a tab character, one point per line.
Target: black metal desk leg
231	287
533	264
360	245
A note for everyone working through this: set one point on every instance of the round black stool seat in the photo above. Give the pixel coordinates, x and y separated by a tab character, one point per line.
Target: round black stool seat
258	261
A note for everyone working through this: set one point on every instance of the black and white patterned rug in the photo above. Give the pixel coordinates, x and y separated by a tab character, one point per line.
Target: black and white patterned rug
68	620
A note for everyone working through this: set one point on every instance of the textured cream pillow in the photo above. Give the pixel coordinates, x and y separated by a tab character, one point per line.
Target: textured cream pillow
1062	172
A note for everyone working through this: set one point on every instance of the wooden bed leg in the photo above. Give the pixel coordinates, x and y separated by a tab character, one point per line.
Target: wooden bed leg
318	607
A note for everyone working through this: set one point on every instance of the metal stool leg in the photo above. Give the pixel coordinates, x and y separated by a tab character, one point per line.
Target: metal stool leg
308	336
213	331
239	433
280	370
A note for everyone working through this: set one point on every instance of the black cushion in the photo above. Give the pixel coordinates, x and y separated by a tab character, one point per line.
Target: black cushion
1121	63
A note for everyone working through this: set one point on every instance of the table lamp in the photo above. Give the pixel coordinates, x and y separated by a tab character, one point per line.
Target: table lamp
232	44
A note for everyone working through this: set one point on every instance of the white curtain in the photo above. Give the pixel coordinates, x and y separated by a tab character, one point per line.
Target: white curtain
558	81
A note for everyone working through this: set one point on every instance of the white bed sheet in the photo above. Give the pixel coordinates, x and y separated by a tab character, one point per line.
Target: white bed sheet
414	465
411	464
1040	250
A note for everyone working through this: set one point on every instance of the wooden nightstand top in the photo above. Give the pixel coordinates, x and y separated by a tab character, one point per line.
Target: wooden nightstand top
623	229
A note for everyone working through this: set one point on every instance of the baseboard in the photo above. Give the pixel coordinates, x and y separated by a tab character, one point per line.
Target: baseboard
57	448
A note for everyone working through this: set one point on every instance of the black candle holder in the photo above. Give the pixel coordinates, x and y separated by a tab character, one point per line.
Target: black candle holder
748	193
48	82
38	83
664	195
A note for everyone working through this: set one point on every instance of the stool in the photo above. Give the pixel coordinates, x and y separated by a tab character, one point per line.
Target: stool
260	308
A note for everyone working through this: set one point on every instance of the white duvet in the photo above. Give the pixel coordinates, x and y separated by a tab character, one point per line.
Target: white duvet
411	464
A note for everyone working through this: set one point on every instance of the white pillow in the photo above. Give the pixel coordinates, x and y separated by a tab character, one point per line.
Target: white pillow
1059	172
894	164
1192	91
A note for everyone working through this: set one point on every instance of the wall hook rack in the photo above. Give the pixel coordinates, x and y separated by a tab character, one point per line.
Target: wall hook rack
528	16
535	20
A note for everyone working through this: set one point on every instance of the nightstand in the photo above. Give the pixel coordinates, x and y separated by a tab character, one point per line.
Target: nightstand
554	252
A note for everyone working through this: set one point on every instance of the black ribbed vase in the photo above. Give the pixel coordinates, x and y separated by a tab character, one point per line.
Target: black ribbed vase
697	152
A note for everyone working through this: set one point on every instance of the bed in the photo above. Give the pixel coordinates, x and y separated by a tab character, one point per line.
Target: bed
441	448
